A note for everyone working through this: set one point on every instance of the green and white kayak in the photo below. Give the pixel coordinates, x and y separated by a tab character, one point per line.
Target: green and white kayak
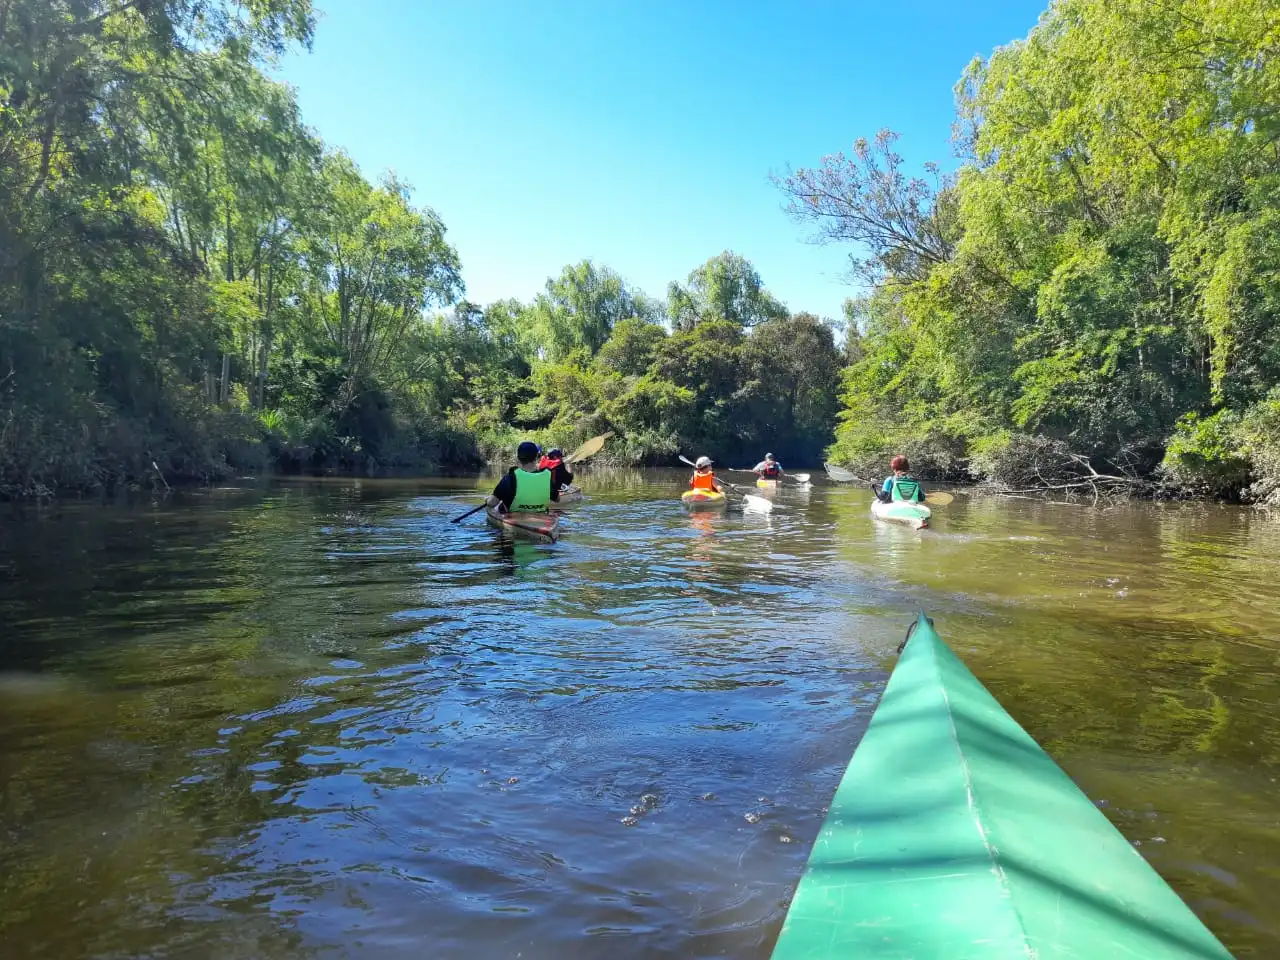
953	836
914	515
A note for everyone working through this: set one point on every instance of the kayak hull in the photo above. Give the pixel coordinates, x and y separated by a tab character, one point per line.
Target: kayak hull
914	515
570	494
953	834
703	500
538	527
764	484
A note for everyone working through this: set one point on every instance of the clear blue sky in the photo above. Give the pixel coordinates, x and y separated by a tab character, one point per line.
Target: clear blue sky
638	133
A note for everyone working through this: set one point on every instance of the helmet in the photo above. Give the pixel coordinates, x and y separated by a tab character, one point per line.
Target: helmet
527	451
556	454
703	462
768	456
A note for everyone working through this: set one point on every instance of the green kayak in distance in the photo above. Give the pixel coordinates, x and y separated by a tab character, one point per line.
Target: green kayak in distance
954	836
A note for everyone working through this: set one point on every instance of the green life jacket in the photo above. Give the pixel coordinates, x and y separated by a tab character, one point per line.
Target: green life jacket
905	488
533	491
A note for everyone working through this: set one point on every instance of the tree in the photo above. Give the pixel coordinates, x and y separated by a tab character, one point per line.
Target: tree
580	308
725	289
908	224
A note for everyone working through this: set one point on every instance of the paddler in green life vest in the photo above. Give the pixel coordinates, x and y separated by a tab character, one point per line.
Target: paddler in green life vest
901	486
526	488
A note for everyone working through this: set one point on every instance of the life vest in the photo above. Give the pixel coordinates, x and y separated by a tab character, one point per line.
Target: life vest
772	470
703	481
533	491
905	488
546	463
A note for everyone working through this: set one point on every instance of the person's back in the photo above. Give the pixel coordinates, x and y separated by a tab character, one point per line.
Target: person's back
703	476
526	488
901	486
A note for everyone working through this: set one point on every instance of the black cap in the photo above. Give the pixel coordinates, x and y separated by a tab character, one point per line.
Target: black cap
527	451
556	454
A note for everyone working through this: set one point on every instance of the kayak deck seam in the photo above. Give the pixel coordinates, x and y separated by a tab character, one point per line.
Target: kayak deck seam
997	869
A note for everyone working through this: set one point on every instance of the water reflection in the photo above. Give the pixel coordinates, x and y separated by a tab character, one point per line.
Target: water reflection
319	719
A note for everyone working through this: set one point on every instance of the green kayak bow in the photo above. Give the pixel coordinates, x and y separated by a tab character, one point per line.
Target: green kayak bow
953	836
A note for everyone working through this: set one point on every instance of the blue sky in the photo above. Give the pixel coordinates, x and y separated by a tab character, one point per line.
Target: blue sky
638	133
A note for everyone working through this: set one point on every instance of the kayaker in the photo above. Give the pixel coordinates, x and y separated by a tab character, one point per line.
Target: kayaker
901	486
560	473
703	477
768	468
526	488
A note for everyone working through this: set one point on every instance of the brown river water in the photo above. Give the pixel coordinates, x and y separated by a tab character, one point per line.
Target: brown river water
316	719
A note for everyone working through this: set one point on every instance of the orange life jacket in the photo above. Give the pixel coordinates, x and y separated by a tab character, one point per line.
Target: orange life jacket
546	463
703	481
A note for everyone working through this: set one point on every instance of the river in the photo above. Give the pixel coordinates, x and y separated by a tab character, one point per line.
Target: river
316	719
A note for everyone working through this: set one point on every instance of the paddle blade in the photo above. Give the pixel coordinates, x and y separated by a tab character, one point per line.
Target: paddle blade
756	504
840	474
589	449
939	499
801	477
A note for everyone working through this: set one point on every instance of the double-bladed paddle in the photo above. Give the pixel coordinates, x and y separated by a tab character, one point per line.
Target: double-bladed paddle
800	478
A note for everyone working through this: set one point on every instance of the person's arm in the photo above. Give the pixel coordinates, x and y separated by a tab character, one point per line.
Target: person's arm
504	492
555	489
888	485
719	485
758	469
566	475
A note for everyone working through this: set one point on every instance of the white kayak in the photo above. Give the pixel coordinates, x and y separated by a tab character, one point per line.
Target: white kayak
914	515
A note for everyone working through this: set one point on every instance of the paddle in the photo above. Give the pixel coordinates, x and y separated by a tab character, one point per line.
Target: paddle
840	474
748	500
938	499
589	449
800	478
469	513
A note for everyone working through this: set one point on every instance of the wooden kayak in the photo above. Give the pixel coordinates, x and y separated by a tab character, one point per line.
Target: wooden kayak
540	527
570	494
953	834
914	515
703	500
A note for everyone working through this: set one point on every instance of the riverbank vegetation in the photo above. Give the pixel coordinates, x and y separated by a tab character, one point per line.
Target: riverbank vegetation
192	283
1095	293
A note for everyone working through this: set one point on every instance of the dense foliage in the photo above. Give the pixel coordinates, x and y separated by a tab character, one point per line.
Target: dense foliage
191	282
1096	290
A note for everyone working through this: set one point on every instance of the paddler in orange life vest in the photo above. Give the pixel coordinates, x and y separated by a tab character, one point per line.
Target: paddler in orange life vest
703	477
554	461
526	488
768	468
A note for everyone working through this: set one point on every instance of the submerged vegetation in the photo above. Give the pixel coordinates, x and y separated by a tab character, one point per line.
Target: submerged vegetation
1095	292
192	283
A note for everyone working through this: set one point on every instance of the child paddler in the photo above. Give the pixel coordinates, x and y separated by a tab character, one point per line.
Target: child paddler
554	461
703	476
